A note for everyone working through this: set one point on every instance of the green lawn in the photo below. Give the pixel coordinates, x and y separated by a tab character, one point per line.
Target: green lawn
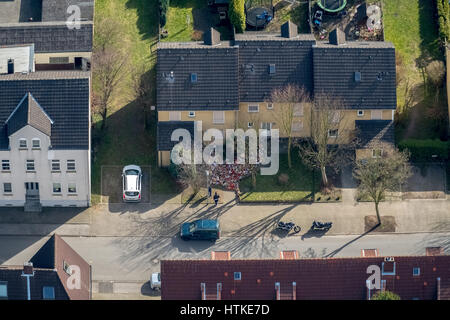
299	188
125	139
180	20
299	16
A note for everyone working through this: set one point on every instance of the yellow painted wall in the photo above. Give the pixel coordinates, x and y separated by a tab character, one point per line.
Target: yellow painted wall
44	58
206	117
163	158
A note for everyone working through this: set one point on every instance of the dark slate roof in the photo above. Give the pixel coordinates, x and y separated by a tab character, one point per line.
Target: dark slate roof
217	76
165	129
292	58
48	37
48	267
56	10
17	285
373	131
335	67
316	279
29	112
64	100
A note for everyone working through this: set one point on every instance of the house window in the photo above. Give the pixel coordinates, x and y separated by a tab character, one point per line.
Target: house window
56	187
72	188
250	124
360	113
3	289
237	276
333	133
36	143
194	78
7	188
5	165
218	117
56	166
48	293
59	60
376	114
174	116
22	143
298	110
253	108
266	125
377	153
269	106
71	165
335	117
416	271
357	76
271	68
297	125
191	114
30	165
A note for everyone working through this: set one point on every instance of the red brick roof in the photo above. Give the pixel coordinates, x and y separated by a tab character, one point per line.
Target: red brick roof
330	278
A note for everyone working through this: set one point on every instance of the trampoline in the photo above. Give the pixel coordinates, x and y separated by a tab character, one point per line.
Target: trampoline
332	6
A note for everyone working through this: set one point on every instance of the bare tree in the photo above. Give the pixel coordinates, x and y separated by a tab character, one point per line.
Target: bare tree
192	175
287	99
331	137
109	62
384	173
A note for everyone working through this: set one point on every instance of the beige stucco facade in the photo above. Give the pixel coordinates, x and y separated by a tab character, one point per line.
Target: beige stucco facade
44	58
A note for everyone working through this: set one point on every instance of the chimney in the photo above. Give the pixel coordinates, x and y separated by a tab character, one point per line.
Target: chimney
337	37
289	30
220	255
289	255
28	272
211	37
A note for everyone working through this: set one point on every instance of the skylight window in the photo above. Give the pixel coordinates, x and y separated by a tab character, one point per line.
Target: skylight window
357	76
271	68
237	276
194	78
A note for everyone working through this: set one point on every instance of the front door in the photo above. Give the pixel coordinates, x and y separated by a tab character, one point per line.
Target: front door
31	186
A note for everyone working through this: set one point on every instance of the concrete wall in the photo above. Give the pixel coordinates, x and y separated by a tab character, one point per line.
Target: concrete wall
23	57
42	157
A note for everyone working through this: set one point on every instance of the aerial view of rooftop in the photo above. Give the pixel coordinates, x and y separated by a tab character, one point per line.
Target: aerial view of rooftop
255	150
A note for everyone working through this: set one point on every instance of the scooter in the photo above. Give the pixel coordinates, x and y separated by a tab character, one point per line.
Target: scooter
319	226
288	226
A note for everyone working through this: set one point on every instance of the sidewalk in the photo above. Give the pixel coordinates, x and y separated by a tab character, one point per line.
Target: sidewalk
411	216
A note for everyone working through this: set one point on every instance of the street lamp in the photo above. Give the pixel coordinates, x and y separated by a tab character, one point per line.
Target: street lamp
207	183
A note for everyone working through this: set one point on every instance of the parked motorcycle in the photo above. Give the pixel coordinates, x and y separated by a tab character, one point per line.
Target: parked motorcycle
288	226
319	226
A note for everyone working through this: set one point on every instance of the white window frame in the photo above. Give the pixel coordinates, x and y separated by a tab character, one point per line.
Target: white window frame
174	115
269	106
71	162
374	113
264	123
53	188
10	187
253	105
38	143
70	186
418	269
31	163
191	114
332	136
237	276
20	143
6	163
218	119
55	163
298	110
250	124
336	116
374	155
360	113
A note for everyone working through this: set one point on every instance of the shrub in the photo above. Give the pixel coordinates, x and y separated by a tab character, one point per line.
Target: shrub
443	14
163	7
423	150
283	179
236	12
385	295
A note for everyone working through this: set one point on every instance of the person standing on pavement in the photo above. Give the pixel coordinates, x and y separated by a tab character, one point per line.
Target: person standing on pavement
216	198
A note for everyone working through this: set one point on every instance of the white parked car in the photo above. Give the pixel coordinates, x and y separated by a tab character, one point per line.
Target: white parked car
131	181
155	281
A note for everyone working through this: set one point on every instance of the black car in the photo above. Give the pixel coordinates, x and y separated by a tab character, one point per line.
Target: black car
200	230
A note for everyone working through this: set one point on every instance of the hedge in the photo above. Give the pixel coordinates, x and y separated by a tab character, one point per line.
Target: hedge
236	12
443	19
423	150
163	7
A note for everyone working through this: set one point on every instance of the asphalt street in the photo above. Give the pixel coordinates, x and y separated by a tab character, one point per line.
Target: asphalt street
135	258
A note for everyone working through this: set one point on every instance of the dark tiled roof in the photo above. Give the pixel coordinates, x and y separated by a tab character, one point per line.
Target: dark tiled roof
293	65
56	10
48	267
216	72
335	278
335	68
48	37
373	131
165	129
29	112
66	101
